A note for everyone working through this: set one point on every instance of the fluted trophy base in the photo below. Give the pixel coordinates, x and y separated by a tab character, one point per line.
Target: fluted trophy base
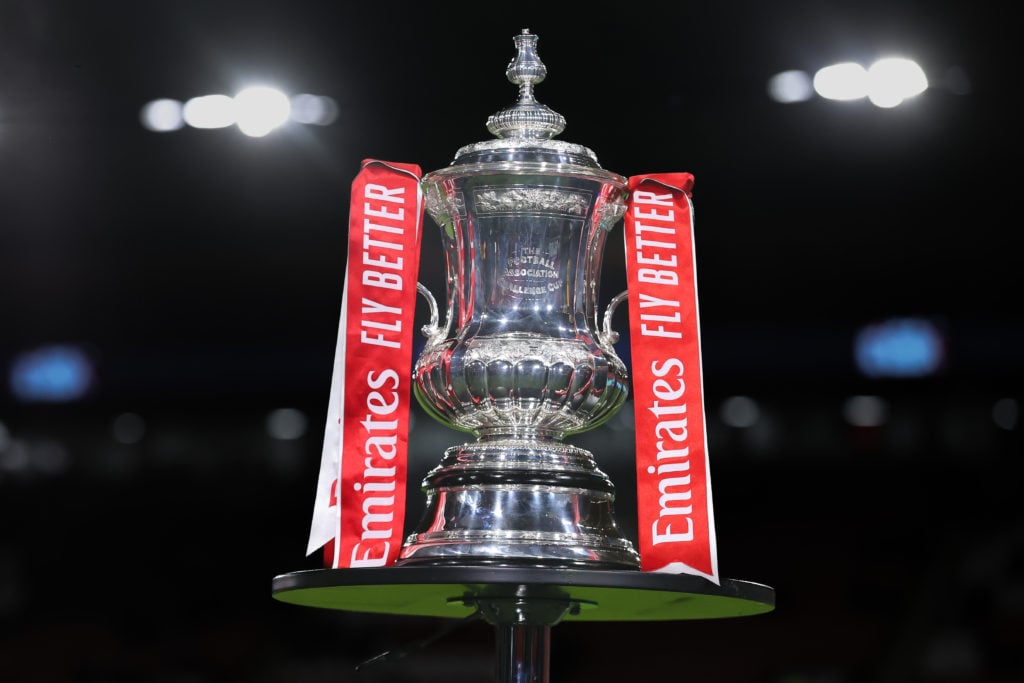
519	502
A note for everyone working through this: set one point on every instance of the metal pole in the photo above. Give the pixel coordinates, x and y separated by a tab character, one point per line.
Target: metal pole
523	653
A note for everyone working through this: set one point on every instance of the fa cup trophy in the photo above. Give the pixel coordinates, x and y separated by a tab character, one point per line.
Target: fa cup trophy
519	526
522	359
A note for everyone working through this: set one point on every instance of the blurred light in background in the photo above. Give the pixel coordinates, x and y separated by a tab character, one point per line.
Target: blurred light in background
286	424
315	110
34	456
739	411
899	347
14	458
162	116
209	111
1005	413
54	374
128	428
256	111
893	80
790	86
49	456
865	411
886	83
843	81
259	110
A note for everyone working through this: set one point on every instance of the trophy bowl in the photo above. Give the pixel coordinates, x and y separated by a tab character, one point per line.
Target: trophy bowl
522	359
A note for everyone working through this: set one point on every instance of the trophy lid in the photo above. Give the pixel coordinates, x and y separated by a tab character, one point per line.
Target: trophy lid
524	131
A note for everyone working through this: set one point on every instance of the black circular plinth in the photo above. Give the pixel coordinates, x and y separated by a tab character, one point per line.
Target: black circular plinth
455	591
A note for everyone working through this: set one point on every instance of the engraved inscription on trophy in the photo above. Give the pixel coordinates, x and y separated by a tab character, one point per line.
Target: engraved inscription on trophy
530	226
532	270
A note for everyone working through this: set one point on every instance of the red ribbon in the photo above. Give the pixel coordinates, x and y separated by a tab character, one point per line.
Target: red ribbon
674	507
385	221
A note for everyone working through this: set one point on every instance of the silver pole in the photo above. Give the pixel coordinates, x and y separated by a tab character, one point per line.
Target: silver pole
522	619
523	653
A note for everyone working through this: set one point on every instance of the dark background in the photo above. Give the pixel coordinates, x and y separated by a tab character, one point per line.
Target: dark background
201	270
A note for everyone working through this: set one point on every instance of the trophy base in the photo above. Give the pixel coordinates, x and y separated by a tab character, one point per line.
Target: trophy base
487	550
519	502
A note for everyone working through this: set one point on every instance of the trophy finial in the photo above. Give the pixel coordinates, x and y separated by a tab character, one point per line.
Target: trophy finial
526	69
527	118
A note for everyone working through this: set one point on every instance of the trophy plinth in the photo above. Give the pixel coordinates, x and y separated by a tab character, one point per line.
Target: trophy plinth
521	360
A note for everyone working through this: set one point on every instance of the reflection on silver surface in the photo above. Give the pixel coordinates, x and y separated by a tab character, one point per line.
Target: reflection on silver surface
521	360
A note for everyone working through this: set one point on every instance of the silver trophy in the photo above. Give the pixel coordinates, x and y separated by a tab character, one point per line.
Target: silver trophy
522	359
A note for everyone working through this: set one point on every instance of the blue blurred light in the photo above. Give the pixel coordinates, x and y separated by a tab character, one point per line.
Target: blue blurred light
900	347
53	374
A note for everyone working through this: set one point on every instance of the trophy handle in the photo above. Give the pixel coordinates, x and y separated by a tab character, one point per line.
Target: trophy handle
431	330
607	335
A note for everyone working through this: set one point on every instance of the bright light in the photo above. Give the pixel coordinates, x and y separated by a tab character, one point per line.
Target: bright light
894	79
162	116
209	111
260	110
887	83
845	81
317	110
790	86
256	111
